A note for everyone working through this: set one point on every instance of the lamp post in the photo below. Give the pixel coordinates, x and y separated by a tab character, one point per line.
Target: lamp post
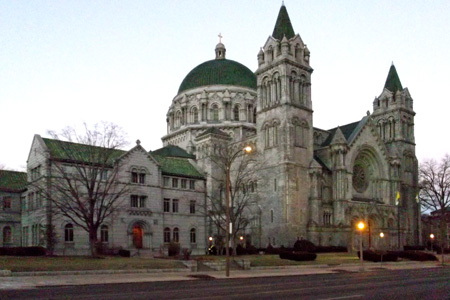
361	226
432	239
229	162
381	237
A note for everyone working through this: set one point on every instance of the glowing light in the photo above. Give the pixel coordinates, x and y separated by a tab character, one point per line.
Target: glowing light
361	225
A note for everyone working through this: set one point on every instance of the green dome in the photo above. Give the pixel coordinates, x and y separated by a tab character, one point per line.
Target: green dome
219	71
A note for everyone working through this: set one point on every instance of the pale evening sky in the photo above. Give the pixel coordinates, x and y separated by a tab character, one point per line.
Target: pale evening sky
63	63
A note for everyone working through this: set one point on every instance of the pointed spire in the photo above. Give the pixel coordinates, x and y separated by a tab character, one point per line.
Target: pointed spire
283	26
393	83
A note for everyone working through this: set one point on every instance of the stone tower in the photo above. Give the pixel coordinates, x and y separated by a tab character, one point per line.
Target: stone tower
285	130
393	115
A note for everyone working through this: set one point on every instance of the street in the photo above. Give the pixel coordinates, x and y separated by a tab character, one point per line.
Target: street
427	284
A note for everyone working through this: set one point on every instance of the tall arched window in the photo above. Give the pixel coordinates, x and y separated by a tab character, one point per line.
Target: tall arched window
193	236
7	237
176	235
178	119
167	235
194	115
68	233
236	113
104	234
215	112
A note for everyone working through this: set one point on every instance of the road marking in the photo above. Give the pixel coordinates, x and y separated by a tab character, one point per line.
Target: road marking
343	297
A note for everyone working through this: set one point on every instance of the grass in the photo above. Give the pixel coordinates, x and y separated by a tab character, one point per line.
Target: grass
77	263
275	260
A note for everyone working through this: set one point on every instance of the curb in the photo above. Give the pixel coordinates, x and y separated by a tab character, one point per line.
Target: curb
8	273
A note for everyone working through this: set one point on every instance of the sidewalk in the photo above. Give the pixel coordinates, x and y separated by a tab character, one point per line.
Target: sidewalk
29	282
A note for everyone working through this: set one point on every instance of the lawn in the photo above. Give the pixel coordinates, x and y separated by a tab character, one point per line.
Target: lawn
275	260
76	263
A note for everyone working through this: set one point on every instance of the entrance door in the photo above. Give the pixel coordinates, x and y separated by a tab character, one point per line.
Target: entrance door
137	236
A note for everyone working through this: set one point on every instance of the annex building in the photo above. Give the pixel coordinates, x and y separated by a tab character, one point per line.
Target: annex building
315	183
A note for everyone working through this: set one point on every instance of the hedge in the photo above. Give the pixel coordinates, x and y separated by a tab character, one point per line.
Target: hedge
22	251
298	256
378	256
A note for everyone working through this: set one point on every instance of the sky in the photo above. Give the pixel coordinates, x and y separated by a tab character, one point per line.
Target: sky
65	63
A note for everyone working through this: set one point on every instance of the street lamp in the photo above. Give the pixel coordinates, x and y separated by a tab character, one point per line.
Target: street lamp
229	162
381	237
361	226
432	239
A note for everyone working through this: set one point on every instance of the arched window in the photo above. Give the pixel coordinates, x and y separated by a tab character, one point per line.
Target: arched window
167	235
215	113
178	119
68	233
176	235
194	115
104	234
193	236
236	113
7	237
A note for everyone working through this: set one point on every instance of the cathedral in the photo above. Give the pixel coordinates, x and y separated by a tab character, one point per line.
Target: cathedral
316	183
311	183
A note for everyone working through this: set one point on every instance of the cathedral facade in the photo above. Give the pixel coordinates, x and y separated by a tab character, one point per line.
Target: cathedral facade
316	183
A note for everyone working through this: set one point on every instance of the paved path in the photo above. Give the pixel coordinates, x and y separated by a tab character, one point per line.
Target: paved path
29	282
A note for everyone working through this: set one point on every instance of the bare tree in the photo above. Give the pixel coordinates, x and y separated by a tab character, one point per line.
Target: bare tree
85	183
434	195
242	169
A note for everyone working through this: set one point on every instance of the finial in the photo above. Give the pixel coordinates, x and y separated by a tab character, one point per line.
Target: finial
220	37
138	142
368	113
282	3
392	63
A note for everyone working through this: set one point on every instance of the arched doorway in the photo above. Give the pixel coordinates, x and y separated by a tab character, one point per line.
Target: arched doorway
138	233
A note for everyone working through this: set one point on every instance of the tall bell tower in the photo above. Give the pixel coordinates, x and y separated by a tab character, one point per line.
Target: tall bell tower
393	115
285	131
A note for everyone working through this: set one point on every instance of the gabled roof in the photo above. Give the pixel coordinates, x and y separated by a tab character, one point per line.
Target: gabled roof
215	131
81	153
283	26
175	161
172	151
349	131
177	166
12	181
393	83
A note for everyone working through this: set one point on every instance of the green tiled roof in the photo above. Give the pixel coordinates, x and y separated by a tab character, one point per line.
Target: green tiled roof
172	151
393	83
177	166
347	130
283	26
12	181
219	71
80	153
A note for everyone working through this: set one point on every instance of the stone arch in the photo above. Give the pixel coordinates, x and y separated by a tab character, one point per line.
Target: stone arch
368	170
139	234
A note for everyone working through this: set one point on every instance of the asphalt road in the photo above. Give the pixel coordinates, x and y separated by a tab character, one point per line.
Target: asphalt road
429	284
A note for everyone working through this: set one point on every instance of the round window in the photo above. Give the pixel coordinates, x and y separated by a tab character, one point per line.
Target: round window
359	178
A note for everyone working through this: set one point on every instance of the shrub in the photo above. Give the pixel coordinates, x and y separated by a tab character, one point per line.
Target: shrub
378	256
418	255
23	251
324	249
124	253
298	256
212	250
304	246
412	248
174	249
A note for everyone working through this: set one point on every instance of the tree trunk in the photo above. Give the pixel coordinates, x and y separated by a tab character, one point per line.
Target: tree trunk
93	241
